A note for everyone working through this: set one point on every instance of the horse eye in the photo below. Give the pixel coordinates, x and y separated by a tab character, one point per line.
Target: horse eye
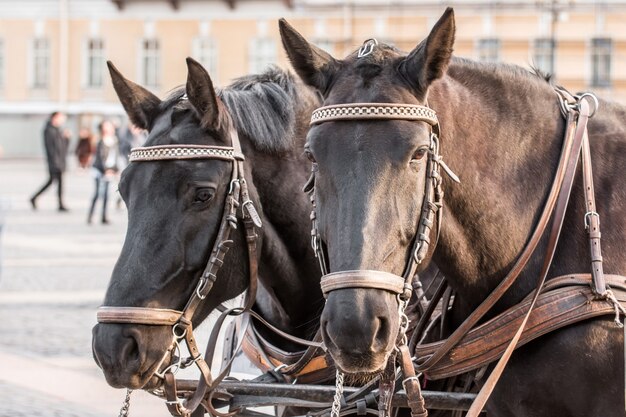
203	195
309	155
419	154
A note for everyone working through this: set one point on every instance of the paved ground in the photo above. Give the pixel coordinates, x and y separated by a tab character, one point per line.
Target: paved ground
55	269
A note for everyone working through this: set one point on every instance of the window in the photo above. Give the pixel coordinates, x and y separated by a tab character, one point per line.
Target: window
95	63
150	63
543	55
262	53
489	50
205	52
41	63
601	49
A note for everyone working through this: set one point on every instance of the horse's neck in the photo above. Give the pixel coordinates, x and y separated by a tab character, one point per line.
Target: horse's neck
290	296
502	133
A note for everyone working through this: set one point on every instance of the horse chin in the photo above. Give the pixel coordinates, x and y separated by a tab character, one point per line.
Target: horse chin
361	367
146	380
134	381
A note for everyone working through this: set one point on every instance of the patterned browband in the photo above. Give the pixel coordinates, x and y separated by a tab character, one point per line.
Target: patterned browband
374	111
172	152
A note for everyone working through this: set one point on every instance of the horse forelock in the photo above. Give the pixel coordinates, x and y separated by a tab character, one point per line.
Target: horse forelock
264	107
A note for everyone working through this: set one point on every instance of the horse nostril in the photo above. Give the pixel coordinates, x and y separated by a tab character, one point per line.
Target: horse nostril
131	353
381	336
328	341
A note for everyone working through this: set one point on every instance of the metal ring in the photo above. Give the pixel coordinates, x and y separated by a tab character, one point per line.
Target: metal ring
596	103
279	367
177	336
175	366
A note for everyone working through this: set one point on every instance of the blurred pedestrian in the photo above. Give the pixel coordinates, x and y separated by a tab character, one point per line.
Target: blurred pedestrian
105	166
56	143
130	137
85	148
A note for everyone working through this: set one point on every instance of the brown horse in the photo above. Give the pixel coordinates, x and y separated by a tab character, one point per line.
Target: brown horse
175	208
501	131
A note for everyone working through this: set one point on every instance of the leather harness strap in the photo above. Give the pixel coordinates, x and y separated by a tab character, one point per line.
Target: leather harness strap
138	315
362	279
425	363
563	301
592	221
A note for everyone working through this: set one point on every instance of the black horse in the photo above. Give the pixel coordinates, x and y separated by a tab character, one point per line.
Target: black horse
175	207
502	132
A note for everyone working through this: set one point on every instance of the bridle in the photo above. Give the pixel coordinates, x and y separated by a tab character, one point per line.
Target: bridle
431	212
237	206
431	206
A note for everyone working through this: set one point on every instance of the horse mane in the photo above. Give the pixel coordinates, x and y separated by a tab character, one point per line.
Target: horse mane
264	108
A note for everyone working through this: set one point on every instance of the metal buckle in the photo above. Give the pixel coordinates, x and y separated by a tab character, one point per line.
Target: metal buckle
367	48
589	214
411	378
231	187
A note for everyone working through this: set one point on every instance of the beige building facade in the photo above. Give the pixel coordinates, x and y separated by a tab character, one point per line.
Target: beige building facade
53	52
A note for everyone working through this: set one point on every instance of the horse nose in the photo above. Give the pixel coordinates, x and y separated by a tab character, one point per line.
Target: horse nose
355	332
117	351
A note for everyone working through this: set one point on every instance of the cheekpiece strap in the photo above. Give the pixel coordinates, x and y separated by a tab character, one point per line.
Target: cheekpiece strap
181	152
374	111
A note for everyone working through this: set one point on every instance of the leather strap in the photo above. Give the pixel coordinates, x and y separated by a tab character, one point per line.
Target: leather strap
559	215
138	315
426	363
563	301
362	279
592	221
411	384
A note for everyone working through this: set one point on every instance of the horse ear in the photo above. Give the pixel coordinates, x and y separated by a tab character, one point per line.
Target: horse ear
430	59
201	94
315	66
140	104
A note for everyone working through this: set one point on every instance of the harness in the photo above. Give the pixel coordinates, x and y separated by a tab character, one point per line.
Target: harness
181	321
451	357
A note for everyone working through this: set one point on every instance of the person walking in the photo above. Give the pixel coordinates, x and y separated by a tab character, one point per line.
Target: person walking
105	166
56	144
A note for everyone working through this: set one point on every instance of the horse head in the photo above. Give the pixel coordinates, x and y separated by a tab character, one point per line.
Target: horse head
372	181
174	211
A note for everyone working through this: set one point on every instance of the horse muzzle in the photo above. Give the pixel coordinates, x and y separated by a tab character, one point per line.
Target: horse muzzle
361	320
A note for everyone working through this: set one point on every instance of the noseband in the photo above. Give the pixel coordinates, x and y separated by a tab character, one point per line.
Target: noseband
181	321
431	206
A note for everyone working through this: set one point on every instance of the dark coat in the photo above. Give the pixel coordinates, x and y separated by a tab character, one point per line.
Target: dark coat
56	148
102	154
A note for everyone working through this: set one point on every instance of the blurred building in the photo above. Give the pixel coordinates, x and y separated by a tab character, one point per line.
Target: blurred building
53	52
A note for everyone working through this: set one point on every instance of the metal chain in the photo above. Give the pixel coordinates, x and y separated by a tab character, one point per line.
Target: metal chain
336	408
126	405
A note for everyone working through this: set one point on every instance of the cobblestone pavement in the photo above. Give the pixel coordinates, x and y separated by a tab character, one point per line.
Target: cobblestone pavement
55	269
